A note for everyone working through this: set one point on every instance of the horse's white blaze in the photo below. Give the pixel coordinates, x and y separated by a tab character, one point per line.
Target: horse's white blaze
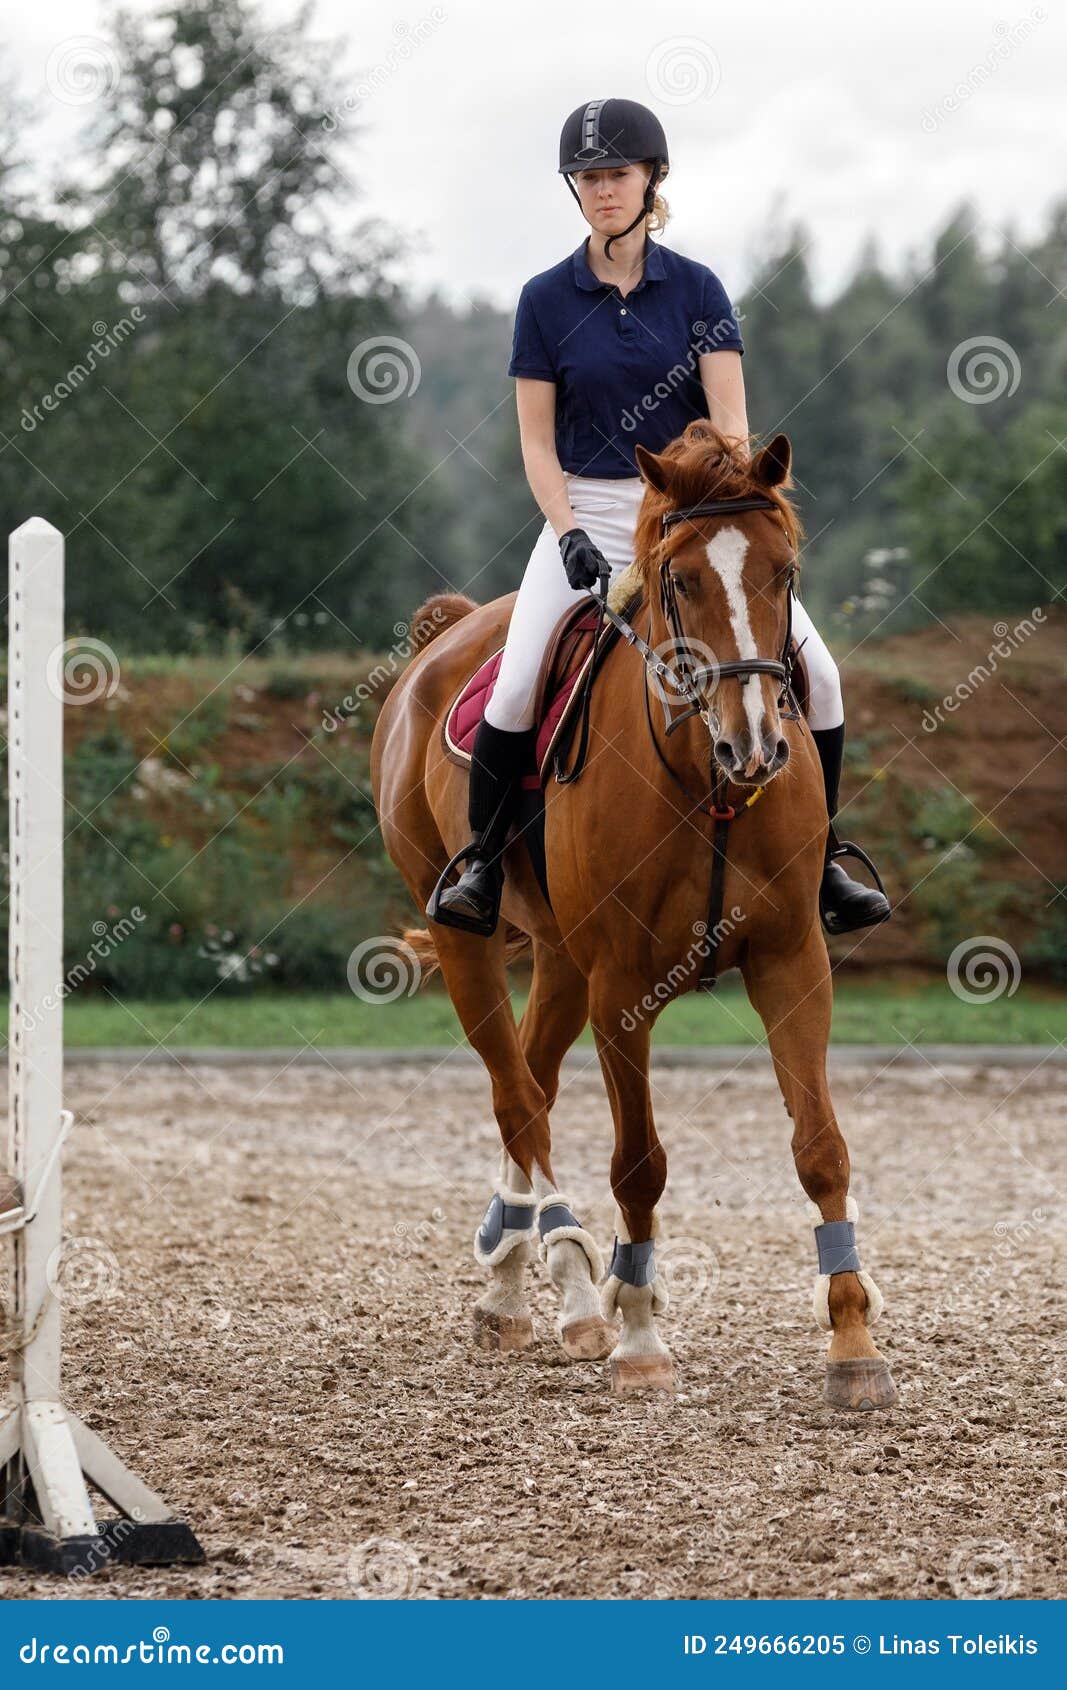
726	556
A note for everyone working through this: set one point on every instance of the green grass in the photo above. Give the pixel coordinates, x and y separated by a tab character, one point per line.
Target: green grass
865	1012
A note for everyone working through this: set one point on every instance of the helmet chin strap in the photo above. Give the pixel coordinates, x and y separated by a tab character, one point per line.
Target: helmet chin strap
646	208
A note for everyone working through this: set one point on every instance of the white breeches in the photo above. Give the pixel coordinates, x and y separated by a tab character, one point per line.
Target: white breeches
825	705
607	510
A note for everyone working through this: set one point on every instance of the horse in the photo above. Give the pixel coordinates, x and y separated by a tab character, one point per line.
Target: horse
716	553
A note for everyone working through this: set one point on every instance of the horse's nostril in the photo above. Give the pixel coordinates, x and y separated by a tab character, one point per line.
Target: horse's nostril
724	754
781	754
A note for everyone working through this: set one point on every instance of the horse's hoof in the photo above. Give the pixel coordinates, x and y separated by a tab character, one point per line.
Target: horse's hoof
864	1382
589	1339
641	1373
502	1331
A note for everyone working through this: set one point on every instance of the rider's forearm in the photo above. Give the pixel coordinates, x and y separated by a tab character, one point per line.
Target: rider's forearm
724	391
549	487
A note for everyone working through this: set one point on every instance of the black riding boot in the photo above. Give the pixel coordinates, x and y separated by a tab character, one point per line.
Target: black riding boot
844	904
497	762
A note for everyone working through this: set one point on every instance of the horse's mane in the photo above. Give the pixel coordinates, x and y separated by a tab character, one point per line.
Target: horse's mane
705	465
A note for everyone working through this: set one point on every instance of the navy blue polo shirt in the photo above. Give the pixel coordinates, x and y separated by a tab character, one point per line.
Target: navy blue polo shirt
626	370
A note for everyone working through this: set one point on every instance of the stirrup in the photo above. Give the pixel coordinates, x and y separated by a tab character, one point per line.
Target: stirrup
846	848
836	849
484	927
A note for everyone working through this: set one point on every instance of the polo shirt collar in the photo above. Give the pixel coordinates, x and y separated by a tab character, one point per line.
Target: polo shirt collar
655	270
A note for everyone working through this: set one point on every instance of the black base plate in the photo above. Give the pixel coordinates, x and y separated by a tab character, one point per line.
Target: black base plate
165	1543
435	911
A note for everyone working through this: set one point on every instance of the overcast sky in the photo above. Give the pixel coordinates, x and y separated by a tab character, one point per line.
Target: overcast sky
855	120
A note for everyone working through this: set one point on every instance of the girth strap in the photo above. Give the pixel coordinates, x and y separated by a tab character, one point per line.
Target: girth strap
719	842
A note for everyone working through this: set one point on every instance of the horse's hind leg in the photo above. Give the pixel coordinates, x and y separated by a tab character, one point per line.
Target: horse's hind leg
476	977
556	1012
794	999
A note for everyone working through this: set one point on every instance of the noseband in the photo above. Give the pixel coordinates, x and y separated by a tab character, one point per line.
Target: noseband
691	678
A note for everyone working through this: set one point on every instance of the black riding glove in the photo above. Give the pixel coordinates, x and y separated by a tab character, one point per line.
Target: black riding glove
581	559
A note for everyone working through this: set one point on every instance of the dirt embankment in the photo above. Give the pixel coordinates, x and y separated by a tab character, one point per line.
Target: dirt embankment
955	776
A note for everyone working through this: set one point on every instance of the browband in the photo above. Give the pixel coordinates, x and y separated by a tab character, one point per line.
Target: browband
719	507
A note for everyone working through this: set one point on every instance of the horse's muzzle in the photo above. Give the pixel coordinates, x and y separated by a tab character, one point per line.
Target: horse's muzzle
749	761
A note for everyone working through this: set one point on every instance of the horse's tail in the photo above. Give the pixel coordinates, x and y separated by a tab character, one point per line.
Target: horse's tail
438	613
420	941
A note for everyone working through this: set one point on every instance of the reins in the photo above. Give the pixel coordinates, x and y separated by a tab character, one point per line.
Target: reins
690	680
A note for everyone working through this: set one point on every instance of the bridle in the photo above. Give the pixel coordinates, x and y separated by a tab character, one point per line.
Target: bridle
694	677
688	678
691	681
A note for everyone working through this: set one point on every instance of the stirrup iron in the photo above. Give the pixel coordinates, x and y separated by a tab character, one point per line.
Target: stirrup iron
484	927
839	848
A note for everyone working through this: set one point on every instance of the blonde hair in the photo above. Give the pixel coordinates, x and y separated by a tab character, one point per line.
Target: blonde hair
659	216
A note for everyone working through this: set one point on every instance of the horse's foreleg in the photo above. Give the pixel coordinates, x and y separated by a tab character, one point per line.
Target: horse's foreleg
556	1012
474	972
794	999
640	1359
503	1244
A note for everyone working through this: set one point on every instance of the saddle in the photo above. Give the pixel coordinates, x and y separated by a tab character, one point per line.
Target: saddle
564	667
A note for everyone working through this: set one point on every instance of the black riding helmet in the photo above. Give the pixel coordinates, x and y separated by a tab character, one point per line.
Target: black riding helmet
607	132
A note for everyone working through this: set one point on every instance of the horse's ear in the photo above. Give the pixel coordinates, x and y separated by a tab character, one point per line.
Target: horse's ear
770	467
655	470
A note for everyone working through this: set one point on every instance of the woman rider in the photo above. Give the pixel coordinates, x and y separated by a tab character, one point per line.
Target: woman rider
595	337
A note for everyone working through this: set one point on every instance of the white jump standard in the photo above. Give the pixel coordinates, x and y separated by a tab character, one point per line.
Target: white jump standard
48	1456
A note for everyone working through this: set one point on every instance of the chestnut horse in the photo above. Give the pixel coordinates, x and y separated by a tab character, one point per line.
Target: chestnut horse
629	849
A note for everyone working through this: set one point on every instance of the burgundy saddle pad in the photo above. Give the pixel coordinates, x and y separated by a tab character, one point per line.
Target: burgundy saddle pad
569	650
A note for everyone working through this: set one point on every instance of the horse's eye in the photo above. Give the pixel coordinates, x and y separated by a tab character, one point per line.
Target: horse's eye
680	587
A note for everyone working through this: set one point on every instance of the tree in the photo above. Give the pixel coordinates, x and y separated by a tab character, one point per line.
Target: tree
210	460
221	156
